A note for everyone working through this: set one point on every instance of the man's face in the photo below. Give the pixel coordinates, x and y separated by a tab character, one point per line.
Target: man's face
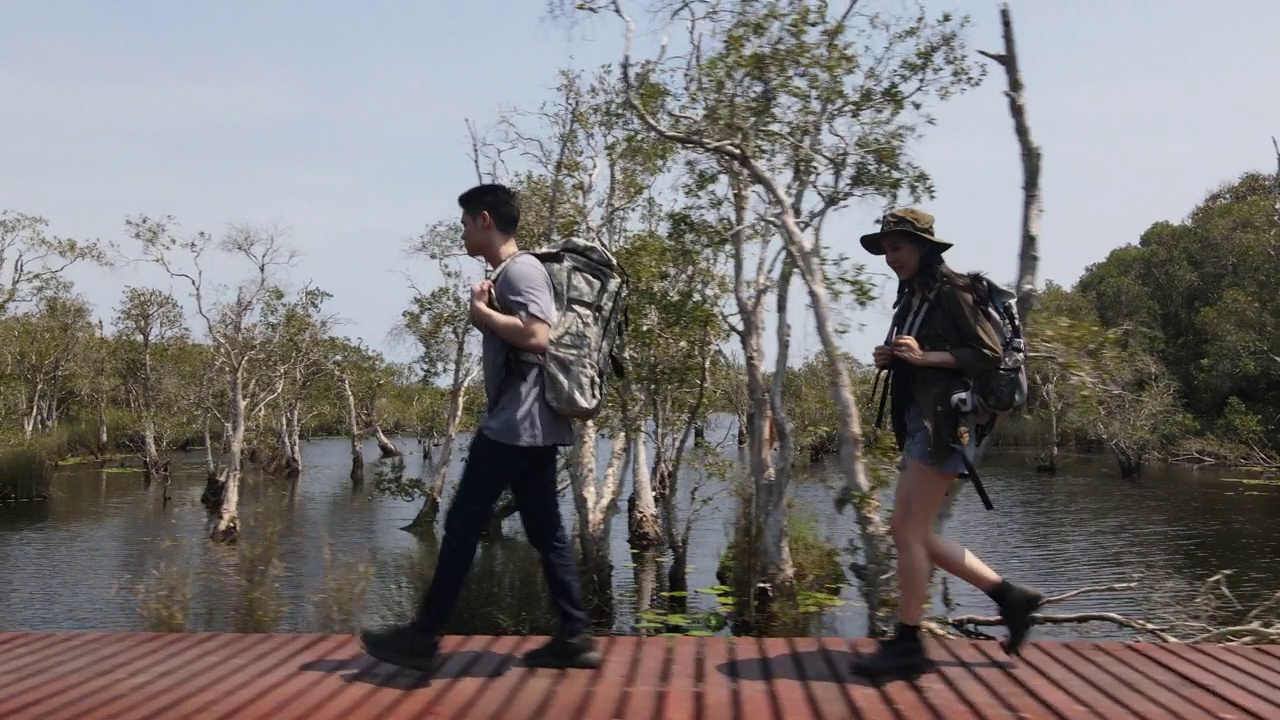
474	234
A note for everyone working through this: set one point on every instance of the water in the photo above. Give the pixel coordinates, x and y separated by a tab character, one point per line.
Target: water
76	560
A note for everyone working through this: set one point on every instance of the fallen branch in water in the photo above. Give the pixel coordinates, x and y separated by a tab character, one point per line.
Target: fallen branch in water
1117	587
1261	625
1114	618
966	625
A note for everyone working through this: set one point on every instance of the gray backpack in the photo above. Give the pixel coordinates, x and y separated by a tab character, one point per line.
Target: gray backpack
590	295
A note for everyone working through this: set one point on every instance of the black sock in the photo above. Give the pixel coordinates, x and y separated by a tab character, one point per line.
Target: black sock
1001	592
908	632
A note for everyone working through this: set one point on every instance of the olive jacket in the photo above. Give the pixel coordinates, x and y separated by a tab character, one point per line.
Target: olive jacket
952	322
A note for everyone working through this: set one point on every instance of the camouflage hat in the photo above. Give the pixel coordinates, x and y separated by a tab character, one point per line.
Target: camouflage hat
911	221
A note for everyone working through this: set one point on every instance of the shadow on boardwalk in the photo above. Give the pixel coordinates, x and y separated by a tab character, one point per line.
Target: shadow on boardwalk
361	668
137	676
821	666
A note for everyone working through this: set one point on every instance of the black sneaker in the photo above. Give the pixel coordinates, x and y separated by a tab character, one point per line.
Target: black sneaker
897	656
577	652
401	645
1017	610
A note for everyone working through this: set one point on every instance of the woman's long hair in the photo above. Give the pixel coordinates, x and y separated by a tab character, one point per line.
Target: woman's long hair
934	273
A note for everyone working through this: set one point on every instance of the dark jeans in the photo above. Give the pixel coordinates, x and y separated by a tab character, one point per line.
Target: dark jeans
531	473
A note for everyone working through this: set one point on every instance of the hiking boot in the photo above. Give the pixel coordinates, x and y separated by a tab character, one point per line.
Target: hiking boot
576	652
1018	606
402	645
898	656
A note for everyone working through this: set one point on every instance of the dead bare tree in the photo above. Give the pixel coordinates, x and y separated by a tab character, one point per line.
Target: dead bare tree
1028	254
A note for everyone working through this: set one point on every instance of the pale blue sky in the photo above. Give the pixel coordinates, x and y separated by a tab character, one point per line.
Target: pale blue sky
344	122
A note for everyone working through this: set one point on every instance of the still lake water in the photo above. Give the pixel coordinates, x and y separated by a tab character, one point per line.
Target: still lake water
75	560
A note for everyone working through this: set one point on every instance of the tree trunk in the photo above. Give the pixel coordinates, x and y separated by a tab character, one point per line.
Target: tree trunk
295	437
224	525
29	418
677	540
505	508
1052	464
49	419
749	296
384	444
658	478
426	516
776	569
643	529
353	430
210	466
102	425
281	461
1130	462
594	505
857	489
152	459
151	450
225	522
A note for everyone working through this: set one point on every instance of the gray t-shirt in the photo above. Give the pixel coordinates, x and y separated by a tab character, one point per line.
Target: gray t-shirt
517	411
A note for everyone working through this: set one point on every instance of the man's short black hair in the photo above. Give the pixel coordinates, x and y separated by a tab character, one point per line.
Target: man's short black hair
500	201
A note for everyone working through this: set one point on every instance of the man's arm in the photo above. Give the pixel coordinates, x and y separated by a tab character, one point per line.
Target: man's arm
525	289
528	333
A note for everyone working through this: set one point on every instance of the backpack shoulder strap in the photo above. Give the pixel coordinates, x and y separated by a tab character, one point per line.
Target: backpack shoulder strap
916	312
497	273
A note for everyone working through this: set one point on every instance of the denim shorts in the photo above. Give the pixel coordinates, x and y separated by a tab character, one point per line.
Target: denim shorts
916	446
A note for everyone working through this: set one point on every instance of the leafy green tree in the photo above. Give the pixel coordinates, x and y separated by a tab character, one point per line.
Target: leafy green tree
146	320
239	331
807	107
677	288
1199	294
299	327
588	172
32	262
1108	384
42	345
356	370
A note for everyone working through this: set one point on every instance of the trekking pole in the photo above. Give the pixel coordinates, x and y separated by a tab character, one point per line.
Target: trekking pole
973	478
887	373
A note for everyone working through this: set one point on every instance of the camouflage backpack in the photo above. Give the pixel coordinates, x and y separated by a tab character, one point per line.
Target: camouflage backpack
590	297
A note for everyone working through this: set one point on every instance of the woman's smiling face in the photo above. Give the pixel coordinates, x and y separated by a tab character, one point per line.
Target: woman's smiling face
902	255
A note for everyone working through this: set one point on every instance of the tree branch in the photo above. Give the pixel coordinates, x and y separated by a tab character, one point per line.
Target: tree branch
1254	627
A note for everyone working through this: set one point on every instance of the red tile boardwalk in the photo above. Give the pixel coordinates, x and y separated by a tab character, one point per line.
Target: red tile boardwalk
123	676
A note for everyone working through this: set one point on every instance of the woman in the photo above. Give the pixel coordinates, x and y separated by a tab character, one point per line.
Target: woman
940	341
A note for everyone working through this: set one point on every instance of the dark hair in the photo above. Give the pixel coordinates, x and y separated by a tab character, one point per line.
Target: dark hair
500	201
934	273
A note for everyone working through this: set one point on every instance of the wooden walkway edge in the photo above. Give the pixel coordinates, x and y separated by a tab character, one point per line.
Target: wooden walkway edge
221	676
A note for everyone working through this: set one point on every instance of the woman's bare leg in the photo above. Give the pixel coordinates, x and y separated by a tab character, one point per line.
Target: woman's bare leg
962	563
920	493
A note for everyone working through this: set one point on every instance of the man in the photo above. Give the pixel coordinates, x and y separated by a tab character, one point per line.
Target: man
515	446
